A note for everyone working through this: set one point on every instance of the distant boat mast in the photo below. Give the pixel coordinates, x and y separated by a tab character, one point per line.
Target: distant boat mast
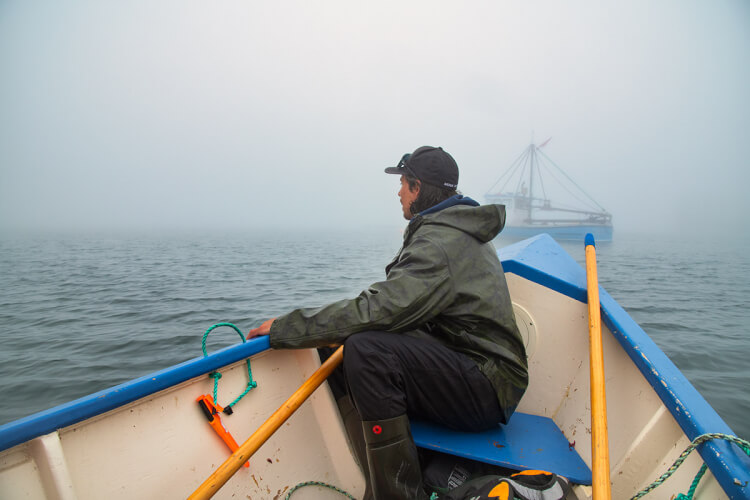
534	210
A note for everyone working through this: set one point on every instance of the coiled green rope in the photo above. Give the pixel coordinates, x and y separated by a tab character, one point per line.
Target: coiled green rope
216	375
318	483
744	445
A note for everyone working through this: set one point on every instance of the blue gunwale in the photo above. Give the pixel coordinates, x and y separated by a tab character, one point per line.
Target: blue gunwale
540	260
47	421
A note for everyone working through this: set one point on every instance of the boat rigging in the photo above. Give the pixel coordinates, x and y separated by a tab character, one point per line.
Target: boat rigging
529	206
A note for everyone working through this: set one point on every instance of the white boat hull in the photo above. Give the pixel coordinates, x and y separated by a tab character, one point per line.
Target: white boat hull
161	446
149	438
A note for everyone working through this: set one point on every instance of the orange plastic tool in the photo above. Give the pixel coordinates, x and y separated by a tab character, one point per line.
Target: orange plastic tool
211	410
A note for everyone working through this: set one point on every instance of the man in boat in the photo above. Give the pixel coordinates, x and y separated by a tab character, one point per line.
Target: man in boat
436	340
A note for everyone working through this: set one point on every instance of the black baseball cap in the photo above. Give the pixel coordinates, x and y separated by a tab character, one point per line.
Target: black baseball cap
430	165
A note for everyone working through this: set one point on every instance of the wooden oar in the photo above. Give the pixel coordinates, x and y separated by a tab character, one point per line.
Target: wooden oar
221	475
599	440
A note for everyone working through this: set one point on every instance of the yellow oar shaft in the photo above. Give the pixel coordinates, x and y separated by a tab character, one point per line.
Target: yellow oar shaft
599	440
226	470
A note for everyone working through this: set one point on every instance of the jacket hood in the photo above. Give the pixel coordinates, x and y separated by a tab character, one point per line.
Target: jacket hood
461	212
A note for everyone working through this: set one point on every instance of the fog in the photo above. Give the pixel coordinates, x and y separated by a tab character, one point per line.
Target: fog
240	115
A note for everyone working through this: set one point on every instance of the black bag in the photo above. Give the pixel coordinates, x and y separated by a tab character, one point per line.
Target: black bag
442	472
526	485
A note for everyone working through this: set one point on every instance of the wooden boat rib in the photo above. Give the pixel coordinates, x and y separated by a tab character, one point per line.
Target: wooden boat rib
148	438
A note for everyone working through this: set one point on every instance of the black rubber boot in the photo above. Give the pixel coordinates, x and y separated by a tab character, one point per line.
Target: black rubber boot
393	460
353	426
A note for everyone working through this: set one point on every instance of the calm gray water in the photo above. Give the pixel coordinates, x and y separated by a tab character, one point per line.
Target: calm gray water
82	313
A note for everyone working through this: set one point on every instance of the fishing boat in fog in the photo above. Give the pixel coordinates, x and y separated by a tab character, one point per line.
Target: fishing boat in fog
539	197
162	435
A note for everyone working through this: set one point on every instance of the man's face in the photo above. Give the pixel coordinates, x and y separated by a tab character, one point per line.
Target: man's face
407	196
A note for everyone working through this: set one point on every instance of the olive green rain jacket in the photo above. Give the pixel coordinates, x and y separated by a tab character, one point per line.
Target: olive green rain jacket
446	283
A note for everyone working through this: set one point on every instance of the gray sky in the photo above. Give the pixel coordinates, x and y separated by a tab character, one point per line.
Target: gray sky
243	114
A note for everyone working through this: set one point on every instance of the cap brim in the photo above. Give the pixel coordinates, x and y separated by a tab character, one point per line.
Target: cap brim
395	170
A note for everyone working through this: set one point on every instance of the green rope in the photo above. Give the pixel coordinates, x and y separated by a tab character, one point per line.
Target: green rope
216	375
744	445
318	483
693	486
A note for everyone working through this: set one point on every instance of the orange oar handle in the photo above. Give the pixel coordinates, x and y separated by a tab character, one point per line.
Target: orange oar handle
599	439
211	411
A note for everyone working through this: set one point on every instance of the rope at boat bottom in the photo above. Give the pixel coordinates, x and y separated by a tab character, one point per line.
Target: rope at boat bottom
744	445
318	483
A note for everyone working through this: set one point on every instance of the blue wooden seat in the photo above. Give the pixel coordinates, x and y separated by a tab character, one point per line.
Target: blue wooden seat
526	442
